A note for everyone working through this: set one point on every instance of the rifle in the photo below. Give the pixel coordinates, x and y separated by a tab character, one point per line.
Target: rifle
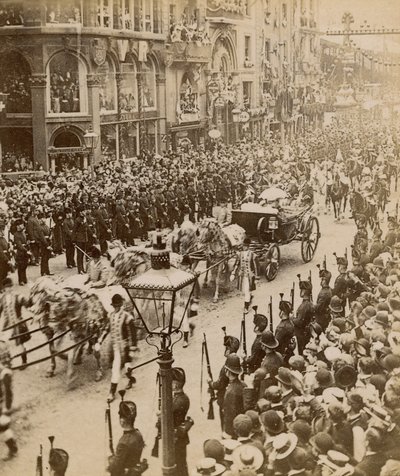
244	343
39	462
109	426
271	324
324	263
210	415
292	295
155	450
310	280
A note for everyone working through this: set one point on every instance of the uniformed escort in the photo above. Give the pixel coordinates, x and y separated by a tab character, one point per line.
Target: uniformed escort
127	458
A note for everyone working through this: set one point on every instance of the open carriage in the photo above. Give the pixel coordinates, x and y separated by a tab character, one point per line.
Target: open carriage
269	228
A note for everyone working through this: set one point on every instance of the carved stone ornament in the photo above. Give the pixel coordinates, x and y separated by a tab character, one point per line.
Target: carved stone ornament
98	50
38	80
93	80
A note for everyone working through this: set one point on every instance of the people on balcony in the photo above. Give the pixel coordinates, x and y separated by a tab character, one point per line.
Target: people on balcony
64	92
11	15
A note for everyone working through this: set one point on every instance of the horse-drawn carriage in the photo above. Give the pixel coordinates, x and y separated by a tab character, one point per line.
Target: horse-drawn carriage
269	228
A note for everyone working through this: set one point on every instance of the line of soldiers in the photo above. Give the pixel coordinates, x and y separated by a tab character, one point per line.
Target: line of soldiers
320	394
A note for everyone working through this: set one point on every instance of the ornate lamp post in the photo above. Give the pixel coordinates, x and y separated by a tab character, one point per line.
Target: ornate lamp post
91	139
158	299
236	120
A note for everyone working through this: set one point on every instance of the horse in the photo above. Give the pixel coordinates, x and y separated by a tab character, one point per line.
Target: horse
338	194
362	208
354	169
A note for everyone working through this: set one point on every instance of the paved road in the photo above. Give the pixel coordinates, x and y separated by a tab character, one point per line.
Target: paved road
77	417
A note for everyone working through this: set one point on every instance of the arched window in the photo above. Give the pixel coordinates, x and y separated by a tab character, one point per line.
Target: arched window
14	81
67	90
128	93
108	87
149	85
67	139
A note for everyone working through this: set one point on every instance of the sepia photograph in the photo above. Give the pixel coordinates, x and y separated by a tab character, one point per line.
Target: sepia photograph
199	237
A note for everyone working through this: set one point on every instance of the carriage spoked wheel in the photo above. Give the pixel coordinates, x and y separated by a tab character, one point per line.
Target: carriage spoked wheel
273	258
309	239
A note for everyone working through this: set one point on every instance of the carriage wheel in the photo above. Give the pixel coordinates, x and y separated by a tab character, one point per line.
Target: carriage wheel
309	239
273	259
262	230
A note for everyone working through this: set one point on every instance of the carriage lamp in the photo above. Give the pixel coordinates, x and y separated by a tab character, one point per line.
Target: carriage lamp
273	223
161	297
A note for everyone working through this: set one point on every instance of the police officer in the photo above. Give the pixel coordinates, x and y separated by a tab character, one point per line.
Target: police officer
127	457
22	253
340	288
233	400
68	227
182	423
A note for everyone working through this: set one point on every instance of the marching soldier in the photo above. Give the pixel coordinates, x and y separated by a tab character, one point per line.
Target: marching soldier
253	362
123	341
6	400
182	423
285	332
231	345
246	268
22	253
58	461
102	226
33	230
304	316
323	299
127	457
341	282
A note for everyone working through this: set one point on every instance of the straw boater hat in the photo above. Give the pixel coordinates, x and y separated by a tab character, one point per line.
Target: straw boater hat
284	444
247	457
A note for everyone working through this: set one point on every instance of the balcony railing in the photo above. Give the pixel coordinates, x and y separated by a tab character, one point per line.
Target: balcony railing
187	52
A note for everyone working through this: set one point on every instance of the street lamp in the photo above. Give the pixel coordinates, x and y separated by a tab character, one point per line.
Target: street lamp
236	120
161	298
91	139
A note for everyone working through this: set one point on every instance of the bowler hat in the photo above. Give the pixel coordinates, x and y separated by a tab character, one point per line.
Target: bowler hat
382	318
117	300
214	449
362	346
336	304
272	422
284	376
324	378
346	376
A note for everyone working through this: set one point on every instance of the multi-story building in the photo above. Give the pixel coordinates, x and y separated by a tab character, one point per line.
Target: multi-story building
146	74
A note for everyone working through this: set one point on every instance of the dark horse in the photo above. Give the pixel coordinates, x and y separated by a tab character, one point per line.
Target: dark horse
361	208
338	193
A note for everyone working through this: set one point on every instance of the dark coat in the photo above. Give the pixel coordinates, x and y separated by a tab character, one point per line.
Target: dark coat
127	454
372	464
233	404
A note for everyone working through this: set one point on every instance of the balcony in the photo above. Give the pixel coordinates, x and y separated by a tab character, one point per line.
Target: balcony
226	11
187	52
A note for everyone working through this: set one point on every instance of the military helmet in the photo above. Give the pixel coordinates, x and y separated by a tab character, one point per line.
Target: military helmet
127	410
232	343
58	461
260	321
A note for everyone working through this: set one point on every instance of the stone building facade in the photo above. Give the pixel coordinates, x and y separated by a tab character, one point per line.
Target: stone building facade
147	75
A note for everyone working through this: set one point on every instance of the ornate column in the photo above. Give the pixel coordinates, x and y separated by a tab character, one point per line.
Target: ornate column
93	83
118	79
38	93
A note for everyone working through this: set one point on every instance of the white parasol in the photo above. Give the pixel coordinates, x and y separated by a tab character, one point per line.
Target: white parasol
273	193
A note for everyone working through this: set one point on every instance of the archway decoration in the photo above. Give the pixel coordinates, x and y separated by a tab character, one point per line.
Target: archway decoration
187	109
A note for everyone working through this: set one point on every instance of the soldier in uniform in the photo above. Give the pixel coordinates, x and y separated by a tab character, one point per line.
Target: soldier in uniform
391	236
127	457
144	207
83	236
253	362
68	227
246	267
122	223
284	332
323	299
123	341
231	345
102	225
304	316
182	423
6	400
341	282
233	399
22	253
58	462
33	230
